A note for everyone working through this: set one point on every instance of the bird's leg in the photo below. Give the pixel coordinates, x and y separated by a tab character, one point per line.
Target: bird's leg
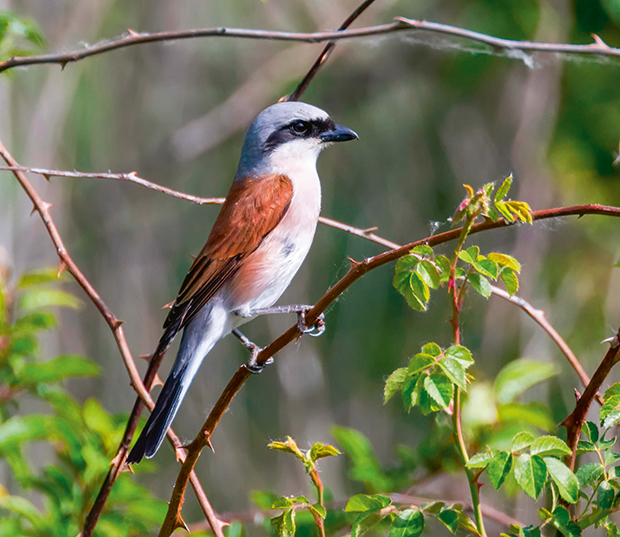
300	309
252	366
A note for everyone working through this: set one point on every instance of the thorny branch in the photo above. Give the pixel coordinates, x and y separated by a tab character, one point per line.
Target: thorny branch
357	270
400	24
67	263
574	422
134	178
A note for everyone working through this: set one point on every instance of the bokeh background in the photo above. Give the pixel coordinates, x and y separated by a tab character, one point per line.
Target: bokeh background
432	113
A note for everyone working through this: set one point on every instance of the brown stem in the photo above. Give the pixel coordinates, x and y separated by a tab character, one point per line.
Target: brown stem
67	263
597	48
357	270
574	422
326	52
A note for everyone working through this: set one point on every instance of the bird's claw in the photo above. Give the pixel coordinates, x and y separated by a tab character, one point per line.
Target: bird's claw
316	329
254	367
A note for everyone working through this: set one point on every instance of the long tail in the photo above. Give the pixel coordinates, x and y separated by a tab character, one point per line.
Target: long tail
198	339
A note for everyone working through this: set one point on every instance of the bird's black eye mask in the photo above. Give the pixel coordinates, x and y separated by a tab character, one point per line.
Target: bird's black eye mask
299	129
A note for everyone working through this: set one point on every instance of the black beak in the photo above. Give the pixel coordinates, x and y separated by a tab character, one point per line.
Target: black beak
339	134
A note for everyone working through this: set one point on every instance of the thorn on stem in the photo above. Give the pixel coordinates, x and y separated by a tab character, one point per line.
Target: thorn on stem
210	445
613	341
157	381
62	266
577	395
145	357
353	262
599	42
116	323
180	523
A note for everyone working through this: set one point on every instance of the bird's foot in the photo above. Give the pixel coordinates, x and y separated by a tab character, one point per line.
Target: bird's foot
252	364
316	329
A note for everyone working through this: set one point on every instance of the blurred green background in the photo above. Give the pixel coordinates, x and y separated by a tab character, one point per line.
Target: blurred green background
432	113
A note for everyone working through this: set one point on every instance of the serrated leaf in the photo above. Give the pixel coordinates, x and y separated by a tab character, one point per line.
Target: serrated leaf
433	508
432	348
487	267
511	281
419	288
565	480
285	523
450	519
505	260
361	503
521	209
320	451
605	495
366	521
318	509
505	212
408	523
467	523
585	447
439	388
443	263
423	250
521	441
589	474
479	460
520	375
406	264
282	503
412	388
480	284
531	474
499	467
460	353
394	383
470	255
561	520
591	431
454	370
549	446
610	411
420	362
429	274
503	189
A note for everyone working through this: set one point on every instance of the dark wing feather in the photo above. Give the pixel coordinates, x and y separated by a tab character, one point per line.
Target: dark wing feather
253	208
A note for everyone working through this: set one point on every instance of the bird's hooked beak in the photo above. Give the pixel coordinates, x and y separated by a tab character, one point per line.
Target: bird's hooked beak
339	134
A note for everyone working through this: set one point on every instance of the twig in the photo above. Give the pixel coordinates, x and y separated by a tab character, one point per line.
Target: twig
325	53
67	263
134	178
574	422
357	270
539	317
597	48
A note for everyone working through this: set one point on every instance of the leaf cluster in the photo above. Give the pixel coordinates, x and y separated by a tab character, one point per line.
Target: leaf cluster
82	437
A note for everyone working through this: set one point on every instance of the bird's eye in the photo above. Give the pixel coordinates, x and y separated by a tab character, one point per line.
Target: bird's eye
301	127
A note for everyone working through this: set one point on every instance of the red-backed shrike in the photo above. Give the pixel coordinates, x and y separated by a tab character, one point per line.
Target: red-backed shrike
258	242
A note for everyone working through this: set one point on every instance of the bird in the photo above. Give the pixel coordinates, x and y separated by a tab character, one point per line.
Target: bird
258	242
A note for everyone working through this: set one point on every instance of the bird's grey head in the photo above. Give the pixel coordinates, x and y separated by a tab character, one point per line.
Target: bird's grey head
288	131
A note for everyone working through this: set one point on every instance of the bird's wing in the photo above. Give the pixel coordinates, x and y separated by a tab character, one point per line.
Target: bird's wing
253	208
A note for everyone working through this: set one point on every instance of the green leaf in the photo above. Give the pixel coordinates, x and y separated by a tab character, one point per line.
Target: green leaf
406	264
57	370
44	298
285	523
510	280
423	250
470	255
589	474
449	518
585	447
487	267
520	375
25	509
412	388
366	521
18	430
605	495
467	523
282	503
319	510
320	451
562	522
567	483
419	288
288	446
521	441
479	460
480	284
505	260
394	383
499	467
429	274
439	388
549	445
610	412
365	466
432	348
503	189
38	277
521	210
444	266
455	371
361	503
408	523
420	362
591	431
531	474
460	353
